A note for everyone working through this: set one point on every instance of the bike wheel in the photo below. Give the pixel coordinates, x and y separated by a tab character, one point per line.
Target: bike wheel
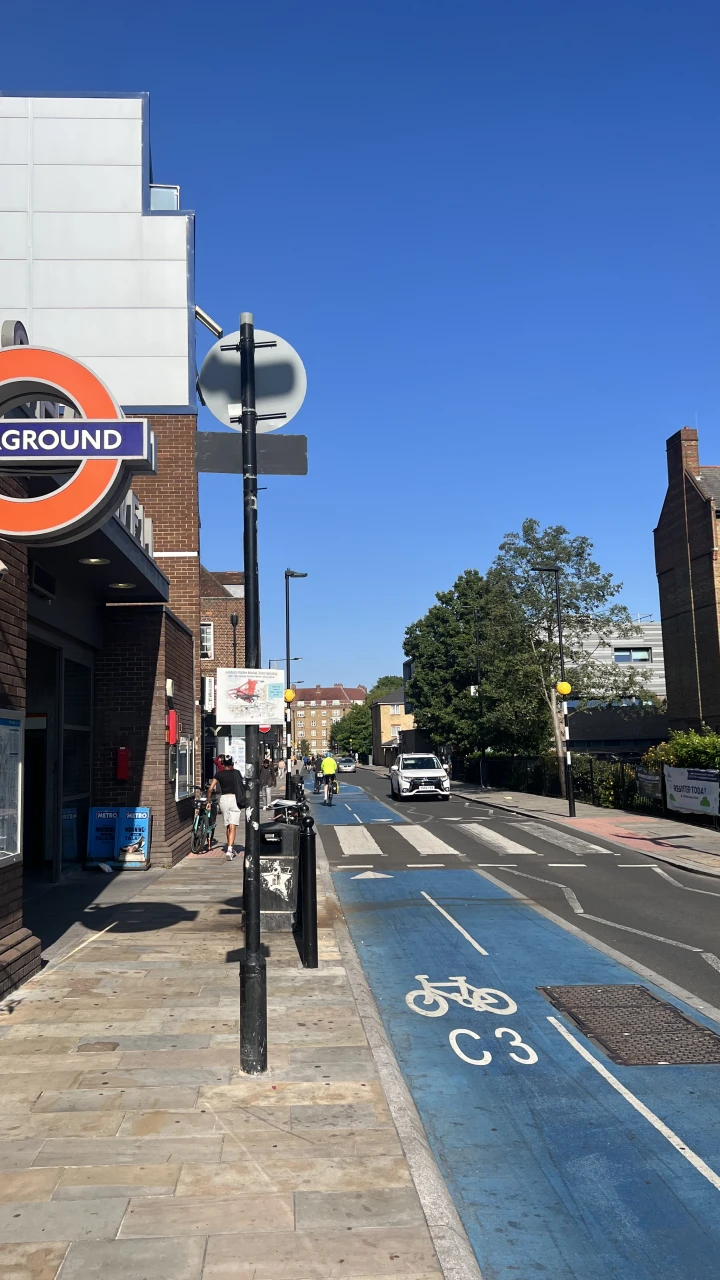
199	834
434	1008
488	1000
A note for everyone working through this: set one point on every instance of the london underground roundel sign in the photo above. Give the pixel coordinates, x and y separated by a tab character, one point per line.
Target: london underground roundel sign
103	446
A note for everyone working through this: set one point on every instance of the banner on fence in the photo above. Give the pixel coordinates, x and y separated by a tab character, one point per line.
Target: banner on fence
692	790
649	785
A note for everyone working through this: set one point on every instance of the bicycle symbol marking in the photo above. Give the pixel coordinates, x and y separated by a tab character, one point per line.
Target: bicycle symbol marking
431	1001
435	996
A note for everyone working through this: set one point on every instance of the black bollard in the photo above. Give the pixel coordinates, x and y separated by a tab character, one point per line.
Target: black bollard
308	892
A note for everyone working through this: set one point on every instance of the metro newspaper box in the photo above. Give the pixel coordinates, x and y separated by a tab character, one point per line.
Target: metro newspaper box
120	835
279	852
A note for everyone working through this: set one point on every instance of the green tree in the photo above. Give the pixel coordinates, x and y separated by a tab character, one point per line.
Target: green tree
354	731
304	747
475	638
686	749
382	687
589	612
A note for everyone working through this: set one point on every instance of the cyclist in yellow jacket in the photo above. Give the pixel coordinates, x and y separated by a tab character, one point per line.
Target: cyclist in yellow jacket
328	768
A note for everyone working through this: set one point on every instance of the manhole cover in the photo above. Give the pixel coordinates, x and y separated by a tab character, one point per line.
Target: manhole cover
635	1027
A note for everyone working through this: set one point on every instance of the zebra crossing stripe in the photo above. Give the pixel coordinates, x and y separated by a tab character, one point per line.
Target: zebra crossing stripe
426	843
501	844
356	842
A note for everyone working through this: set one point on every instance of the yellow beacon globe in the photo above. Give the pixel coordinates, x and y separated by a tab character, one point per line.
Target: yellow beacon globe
563	688
289	695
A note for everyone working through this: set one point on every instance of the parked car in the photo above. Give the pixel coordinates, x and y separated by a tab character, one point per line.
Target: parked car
346	764
419	774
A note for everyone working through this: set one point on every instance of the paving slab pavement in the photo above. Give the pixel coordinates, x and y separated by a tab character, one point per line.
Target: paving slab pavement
132	1147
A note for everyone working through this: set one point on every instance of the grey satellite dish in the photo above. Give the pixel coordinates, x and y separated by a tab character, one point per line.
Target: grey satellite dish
280	380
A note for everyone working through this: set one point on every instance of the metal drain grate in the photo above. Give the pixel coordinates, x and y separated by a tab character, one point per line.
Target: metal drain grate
635	1027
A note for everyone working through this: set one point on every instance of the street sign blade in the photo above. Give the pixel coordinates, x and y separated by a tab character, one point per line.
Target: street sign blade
221	453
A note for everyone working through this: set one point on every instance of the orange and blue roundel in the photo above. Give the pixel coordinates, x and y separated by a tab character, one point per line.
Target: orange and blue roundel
106	447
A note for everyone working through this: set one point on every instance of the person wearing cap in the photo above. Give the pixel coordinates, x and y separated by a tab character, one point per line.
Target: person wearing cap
230	785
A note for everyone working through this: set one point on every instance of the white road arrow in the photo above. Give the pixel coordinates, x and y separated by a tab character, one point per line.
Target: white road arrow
372	875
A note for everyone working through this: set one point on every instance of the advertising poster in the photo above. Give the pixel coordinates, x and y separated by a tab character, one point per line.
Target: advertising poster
649	784
10	761
692	790
102	834
69	834
133	836
246	696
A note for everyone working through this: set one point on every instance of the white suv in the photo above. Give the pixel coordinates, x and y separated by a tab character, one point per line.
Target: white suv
418	774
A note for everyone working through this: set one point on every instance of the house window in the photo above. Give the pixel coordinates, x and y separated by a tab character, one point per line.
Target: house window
336	702
633	655
395	709
323	703
312	704
207	640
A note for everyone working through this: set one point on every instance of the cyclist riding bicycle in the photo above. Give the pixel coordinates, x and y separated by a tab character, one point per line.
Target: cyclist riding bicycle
328	769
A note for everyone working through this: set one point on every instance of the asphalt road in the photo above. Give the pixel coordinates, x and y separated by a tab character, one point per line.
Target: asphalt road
563	1160
668	920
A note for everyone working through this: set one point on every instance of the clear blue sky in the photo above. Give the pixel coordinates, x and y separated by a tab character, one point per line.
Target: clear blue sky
491	231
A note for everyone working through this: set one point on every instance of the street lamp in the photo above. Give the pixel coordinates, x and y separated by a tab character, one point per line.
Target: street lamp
562	686
289	573
234	624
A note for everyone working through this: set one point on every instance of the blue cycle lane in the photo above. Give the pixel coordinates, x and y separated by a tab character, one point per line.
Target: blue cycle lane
554	1172
350	807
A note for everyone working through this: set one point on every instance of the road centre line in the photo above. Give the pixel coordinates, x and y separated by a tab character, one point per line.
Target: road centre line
708	956
640	1107
567	864
469	938
345	866
656	937
688	888
496	864
637	866
424	864
590	939
572	900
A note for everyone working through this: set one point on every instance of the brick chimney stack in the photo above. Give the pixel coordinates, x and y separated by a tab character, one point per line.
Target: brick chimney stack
683	454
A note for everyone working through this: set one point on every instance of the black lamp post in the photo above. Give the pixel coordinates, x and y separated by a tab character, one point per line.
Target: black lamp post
234	624
289	573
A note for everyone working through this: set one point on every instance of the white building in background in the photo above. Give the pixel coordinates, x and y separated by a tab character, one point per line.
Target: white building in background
95	259
644	651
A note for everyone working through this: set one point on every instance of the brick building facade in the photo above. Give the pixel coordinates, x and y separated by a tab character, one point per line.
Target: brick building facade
688	569
315	711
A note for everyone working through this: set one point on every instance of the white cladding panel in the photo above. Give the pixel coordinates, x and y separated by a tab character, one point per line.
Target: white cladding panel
87	188
13	235
13	188
13	140
81	265
133	331
14	283
110	284
86	141
141	377
13	107
86	108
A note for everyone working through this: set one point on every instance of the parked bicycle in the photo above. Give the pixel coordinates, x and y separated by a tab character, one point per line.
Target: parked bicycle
203	831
